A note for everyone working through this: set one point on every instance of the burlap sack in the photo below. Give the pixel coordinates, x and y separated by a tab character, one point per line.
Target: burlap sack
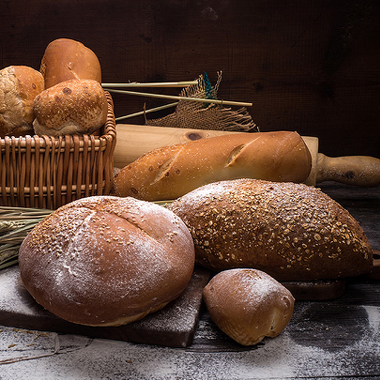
197	115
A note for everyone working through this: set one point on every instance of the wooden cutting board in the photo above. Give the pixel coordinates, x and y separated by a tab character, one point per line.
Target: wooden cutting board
172	326
135	140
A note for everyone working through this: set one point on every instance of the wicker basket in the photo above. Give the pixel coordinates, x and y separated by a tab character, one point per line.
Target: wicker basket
48	172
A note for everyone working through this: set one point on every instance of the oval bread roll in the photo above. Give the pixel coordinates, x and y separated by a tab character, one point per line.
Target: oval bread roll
65	59
291	231
19	85
71	107
170	172
248	305
107	261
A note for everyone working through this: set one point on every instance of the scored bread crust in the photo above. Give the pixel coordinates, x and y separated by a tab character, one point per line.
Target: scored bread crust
169	172
107	261
19	85
70	107
291	231
248	304
65	59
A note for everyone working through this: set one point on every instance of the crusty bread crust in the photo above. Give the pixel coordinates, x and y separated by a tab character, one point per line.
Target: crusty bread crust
291	231
70	107
169	172
107	261
65	59
248	304
19	85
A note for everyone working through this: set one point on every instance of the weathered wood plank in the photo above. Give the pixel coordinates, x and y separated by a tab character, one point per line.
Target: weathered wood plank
312	66
172	326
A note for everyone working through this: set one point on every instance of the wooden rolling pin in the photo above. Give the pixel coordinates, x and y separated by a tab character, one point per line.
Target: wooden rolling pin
135	140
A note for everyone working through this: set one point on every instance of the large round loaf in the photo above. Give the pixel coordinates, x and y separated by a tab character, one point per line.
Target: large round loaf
169	172
291	231
70	107
19	85
106	261
65	59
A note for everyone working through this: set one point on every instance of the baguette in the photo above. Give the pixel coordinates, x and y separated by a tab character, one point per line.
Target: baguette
293	232
169	172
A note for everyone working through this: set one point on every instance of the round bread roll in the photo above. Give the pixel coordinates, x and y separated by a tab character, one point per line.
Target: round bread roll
107	261
71	107
290	231
19	85
248	305
65	59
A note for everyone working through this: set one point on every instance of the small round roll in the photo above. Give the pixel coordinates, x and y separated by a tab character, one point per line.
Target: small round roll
65	59
70	107
248	305
19	85
107	261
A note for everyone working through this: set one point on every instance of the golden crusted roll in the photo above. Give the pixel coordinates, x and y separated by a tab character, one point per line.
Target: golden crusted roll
248	305
70	107
65	59
19	85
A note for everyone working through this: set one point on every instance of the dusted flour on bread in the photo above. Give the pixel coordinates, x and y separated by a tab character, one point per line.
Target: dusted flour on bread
291	231
107	261
19	85
248	304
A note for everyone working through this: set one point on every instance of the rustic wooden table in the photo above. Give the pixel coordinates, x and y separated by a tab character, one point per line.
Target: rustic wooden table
336	339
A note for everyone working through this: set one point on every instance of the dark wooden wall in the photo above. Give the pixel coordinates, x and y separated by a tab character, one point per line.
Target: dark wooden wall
307	65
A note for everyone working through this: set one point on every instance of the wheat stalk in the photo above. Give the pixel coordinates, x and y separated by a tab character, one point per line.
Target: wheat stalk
15	224
151	84
150	110
187	98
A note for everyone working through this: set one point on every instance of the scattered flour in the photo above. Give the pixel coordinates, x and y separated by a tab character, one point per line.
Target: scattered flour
277	358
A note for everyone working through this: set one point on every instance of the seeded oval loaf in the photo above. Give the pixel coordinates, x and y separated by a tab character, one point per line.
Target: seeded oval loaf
291	231
248	304
107	261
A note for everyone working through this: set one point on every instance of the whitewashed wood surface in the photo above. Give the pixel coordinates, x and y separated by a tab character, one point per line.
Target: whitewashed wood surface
336	339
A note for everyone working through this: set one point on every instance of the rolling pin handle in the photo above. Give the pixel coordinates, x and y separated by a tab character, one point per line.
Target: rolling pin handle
352	170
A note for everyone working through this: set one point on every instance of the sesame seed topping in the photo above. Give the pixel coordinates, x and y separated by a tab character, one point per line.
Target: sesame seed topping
271	226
